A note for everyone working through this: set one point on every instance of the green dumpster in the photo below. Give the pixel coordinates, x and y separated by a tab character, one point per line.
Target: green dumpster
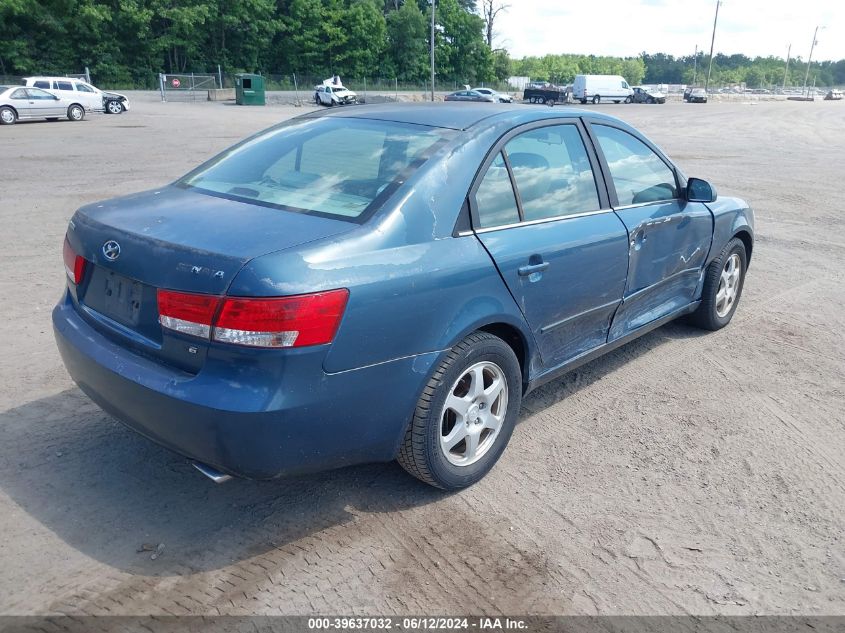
249	89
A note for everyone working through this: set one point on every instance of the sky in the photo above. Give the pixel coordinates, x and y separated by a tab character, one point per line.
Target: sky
629	27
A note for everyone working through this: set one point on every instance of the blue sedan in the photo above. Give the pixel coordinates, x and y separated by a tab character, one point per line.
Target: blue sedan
386	282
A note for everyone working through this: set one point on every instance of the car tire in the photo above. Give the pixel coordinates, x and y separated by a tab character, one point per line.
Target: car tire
596	99
317	100
583	102
723	283
114	107
551	103
628	99
76	112
425	452
8	116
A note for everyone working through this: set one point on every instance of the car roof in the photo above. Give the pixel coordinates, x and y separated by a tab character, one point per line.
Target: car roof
457	116
45	78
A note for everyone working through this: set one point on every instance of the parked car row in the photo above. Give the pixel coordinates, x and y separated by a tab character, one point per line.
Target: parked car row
54	98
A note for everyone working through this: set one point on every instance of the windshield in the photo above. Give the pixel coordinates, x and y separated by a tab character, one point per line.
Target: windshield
337	167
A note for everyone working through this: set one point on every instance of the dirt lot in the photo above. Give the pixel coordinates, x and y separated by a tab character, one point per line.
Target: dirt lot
683	473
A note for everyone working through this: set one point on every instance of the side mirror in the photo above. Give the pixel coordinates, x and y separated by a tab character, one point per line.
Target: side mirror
699	190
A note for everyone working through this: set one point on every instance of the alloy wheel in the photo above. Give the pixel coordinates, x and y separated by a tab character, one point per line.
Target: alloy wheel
728	285
473	413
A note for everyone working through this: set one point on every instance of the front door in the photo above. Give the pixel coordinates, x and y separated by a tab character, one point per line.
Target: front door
560	250
44	104
669	238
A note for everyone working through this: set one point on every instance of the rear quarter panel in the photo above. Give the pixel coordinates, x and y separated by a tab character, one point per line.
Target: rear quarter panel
415	284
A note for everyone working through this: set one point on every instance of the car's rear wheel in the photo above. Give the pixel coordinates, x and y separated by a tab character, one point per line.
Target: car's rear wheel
114	107
465	415
596	99
722	289
7	116
76	112
628	99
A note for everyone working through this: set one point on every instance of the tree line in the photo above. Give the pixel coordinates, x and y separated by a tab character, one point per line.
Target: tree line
128	42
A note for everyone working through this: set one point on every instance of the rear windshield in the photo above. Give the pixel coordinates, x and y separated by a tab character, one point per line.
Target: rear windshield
337	167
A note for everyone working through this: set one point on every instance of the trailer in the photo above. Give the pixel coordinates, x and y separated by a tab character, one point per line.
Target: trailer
549	94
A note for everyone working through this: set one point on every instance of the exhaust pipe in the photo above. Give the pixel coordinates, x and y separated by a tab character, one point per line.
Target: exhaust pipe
212	473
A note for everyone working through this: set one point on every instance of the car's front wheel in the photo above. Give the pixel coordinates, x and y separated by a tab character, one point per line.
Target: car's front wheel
76	112
465	415
114	107
722	289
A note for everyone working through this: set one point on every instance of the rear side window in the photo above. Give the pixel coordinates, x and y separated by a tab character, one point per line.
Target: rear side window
339	167
639	175
494	199
41	84
552	172
64	85
20	93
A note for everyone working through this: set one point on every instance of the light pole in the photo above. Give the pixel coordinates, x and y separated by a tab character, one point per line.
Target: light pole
810	59
432	50
786	70
712	42
695	65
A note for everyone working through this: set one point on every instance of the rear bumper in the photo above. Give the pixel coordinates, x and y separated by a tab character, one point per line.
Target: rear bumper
257	416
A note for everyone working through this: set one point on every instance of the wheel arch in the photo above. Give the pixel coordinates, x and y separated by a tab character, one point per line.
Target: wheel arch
748	241
15	110
516	340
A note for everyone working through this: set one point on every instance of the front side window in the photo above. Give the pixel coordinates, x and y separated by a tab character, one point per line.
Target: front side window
552	172
494	199
639	175
337	167
84	88
35	93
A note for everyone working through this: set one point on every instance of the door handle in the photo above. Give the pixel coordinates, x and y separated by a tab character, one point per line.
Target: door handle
530	269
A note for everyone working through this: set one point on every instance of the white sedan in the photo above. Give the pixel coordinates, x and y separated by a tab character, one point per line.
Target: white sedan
496	95
334	95
22	103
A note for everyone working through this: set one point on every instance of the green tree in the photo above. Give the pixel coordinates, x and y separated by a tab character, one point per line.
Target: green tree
407	34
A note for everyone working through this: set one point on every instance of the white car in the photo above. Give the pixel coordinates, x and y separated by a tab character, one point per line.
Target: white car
334	95
19	103
93	99
496	95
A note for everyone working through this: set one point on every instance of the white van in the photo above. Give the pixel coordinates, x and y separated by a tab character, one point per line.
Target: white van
597	88
92	99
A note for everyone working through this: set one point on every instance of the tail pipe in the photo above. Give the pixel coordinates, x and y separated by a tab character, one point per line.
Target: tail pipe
212	473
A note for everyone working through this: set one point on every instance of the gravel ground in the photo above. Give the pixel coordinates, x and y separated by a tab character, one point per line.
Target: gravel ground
683	473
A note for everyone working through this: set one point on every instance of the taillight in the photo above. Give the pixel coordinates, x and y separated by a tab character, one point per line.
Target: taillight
294	321
74	264
186	312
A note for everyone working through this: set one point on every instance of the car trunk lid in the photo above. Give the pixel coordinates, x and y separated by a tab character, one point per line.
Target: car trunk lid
175	239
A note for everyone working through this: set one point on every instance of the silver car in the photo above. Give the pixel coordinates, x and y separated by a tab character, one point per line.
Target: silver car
469	95
496	95
22	103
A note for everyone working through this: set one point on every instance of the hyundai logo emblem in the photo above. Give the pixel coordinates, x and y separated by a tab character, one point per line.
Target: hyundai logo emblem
111	250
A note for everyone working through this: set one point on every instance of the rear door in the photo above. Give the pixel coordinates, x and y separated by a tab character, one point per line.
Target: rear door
669	238
19	99
548	227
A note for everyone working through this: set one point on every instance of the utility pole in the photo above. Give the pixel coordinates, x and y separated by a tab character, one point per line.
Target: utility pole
712	42
786	70
810	59
432	50
695	65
